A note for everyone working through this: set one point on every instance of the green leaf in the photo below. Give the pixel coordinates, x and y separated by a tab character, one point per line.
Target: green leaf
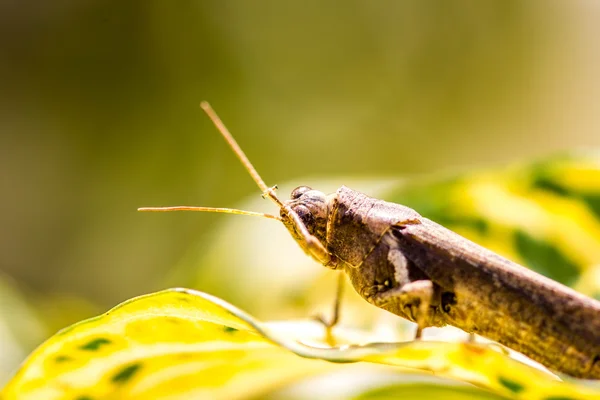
186	344
419	391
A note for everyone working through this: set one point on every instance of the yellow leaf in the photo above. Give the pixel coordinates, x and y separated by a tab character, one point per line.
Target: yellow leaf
182	344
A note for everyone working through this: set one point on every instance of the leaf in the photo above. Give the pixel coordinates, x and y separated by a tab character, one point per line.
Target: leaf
419	391
186	344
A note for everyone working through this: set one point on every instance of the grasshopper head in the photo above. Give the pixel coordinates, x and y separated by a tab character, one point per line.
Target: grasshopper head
312	207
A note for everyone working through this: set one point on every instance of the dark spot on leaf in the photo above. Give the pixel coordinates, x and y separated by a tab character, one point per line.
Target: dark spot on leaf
184	299
547	183
229	329
126	373
479	225
62	359
593	202
84	398
429	200
545	258
511	385
95	344
559	398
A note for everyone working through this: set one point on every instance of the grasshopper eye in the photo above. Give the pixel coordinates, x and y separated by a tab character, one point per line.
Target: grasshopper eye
306	217
299	191
311	208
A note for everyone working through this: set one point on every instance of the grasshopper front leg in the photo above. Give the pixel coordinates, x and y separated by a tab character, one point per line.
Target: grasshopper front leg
308	242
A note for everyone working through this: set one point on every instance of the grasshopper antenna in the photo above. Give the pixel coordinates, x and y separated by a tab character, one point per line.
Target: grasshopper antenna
308	241
209	209
267	191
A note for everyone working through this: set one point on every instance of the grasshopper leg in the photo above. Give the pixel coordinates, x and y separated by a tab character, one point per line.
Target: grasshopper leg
336	306
422	293
413	299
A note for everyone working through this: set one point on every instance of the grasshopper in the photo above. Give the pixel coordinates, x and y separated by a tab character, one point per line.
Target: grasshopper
410	266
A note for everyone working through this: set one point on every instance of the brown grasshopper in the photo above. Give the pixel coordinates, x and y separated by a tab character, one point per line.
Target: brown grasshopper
408	265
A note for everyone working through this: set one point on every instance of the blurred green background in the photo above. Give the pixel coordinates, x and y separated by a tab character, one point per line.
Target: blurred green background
99	115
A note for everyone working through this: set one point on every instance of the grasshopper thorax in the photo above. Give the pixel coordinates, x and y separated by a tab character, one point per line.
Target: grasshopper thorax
312	208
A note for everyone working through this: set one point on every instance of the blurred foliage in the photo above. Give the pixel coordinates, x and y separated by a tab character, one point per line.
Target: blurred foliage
20	328
544	215
99	113
98	116
185	344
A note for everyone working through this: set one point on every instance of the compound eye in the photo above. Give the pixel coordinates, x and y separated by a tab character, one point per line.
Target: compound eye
305	216
299	191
